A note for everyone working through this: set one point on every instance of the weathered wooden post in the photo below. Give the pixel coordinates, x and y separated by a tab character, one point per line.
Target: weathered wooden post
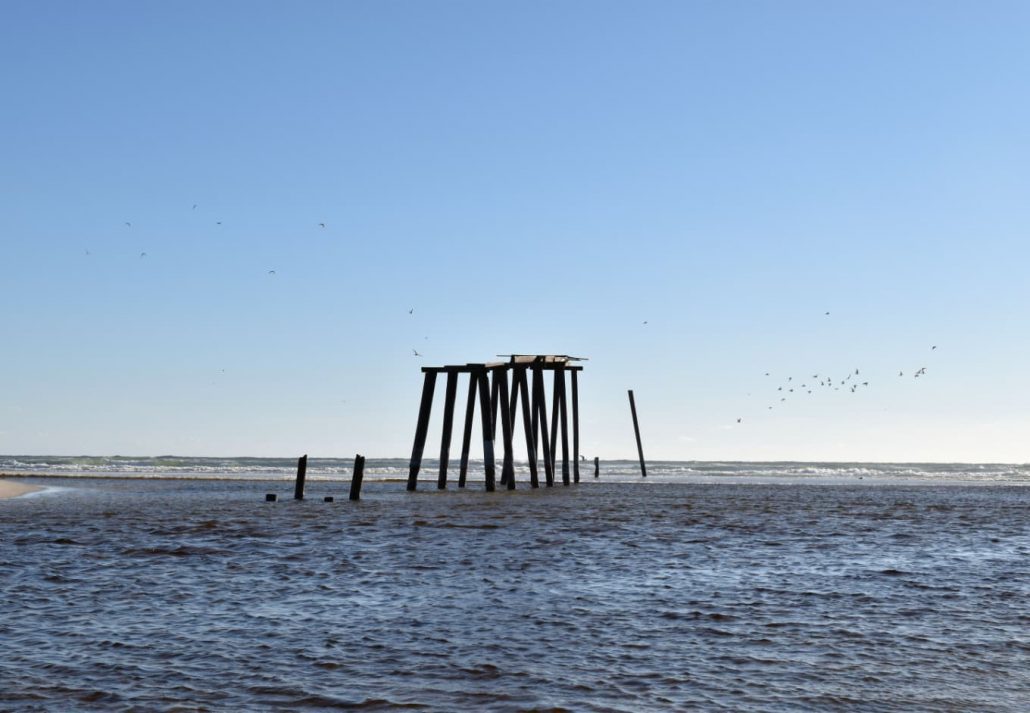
302	471
422	428
559	374
466	438
271	497
356	477
508	463
597	467
448	423
522	389
488	437
540	411
636	430
555	414
575	424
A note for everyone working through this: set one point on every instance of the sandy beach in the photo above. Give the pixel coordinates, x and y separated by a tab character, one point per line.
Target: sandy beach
11	489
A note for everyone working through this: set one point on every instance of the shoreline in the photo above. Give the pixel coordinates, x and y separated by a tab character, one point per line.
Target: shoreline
12	489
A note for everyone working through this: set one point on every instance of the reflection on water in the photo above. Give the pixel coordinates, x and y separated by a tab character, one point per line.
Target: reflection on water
145	594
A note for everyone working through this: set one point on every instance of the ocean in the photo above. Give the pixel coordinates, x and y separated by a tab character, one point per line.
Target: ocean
169	584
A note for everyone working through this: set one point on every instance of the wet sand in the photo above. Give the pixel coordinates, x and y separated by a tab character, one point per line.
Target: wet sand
11	489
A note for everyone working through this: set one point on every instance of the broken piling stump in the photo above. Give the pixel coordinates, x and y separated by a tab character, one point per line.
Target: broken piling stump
302	470
356	476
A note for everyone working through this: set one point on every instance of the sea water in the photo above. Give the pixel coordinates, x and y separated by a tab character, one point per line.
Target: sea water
724	586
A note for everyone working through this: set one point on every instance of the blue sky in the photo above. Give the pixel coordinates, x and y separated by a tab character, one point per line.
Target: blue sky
529	177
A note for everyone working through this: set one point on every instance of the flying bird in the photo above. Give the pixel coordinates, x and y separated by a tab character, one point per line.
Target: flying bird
411	311
738	420
142	255
194	206
128	224
218	222
321	225
933	347
271	272
645	321
827	314
415	352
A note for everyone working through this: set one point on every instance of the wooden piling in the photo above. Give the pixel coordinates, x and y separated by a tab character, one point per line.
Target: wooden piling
555	414
302	471
466	438
597	467
540	411
271	497
448	423
508	463
356	477
422	428
488	438
328	499
575	425
527	424
636	430
559	374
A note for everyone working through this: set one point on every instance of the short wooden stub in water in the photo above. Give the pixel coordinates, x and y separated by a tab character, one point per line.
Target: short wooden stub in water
271	497
302	471
328	499
356	477
597	466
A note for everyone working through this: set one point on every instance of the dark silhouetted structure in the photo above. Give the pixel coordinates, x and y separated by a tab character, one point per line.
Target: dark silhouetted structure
490	383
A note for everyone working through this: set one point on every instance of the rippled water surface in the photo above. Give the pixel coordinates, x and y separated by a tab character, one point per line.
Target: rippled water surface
196	595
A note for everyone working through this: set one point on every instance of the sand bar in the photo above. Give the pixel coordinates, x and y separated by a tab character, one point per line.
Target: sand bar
11	489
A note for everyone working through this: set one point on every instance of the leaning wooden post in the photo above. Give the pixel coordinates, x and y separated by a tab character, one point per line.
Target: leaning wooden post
488	436
636	430
466	438
555	413
508	464
422	428
575	426
302	471
597	467
448	424
356	477
540	409
494	386
527	425
559	374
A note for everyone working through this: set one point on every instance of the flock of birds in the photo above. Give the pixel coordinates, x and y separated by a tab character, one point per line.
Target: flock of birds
851	383
128	224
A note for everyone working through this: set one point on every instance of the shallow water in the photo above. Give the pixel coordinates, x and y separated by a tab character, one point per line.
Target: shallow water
196	595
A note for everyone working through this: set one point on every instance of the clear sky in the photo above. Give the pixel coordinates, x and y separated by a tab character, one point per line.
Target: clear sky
528	177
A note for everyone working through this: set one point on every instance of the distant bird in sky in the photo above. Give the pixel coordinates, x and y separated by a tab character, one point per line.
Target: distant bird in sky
321	225
738	420
411	311
645	321
933	347
128	224
88	252
271	272
415	352
767	373
827	314
194	206
218	222
901	373
142	255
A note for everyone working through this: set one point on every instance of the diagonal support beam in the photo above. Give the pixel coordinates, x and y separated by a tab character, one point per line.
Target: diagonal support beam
421	429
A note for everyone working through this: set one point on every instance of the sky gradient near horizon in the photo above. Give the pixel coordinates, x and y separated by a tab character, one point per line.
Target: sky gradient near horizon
527	177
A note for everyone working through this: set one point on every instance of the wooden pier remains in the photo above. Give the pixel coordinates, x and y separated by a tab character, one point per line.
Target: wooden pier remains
499	395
